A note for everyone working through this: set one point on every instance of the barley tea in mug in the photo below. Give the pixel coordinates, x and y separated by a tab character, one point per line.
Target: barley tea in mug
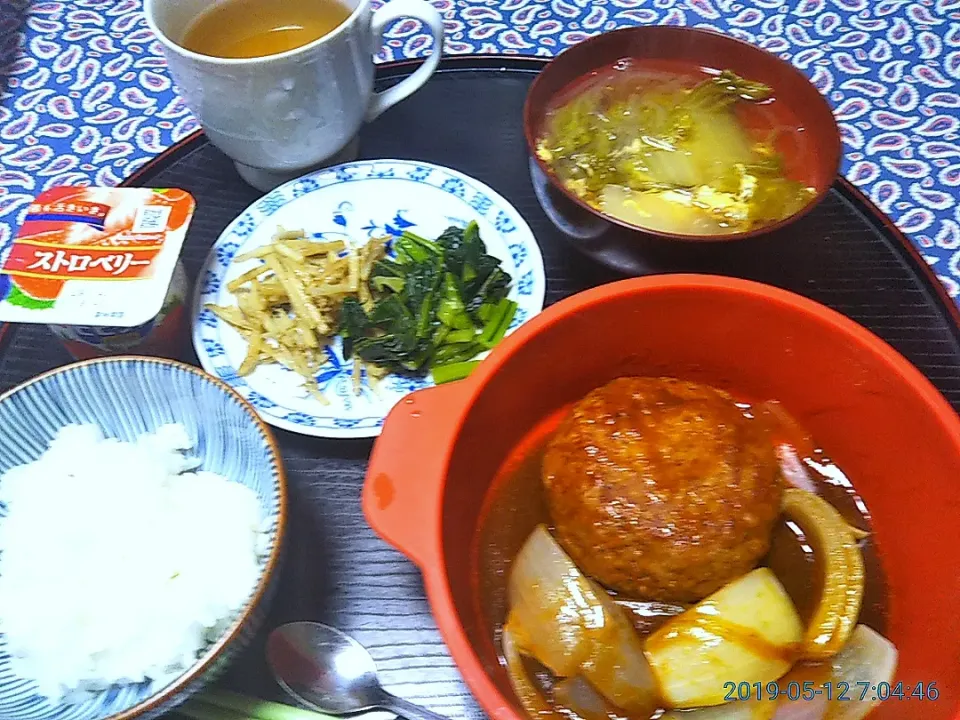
257	28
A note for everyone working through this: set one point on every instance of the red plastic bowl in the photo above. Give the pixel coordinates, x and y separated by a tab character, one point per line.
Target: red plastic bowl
874	412
815	160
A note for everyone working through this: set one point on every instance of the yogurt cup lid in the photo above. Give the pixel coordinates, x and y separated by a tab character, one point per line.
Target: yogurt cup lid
94	256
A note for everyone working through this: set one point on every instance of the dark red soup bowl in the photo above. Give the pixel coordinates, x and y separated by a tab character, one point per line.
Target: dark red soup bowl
874	413
809	142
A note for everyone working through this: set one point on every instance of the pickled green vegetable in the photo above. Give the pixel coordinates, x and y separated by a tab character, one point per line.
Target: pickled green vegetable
672	158
438	304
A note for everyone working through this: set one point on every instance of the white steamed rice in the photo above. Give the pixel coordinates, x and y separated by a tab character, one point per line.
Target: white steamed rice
119	562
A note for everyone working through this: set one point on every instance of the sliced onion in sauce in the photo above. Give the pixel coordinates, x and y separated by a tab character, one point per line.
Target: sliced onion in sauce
787	429
580	696
573	627
793	470
619	669
550	599
793	443
526	691
730	711
802	677
834	543
756	710
867	658
802	709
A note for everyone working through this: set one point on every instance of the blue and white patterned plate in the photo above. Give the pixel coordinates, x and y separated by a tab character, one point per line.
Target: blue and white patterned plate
355	201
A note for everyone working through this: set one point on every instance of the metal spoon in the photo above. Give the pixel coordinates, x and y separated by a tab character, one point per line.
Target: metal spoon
331	672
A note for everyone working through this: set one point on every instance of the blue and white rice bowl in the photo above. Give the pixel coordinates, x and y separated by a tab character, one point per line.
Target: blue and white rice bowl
128	397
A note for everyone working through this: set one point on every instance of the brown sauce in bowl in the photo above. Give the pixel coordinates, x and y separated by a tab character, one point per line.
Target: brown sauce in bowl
516	504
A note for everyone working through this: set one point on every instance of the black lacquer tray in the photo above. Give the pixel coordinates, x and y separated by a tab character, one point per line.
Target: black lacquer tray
468	117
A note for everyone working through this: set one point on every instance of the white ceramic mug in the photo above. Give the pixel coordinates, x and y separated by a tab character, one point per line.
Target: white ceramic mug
279	115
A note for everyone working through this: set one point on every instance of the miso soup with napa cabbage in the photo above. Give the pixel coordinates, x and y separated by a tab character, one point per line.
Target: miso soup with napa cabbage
677	149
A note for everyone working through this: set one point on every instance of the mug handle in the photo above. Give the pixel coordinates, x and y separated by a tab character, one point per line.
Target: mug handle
397	10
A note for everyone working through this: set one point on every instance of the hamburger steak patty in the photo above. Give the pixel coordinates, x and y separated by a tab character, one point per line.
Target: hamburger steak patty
662	489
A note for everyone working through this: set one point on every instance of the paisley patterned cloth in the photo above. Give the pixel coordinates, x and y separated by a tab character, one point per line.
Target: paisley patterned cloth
88	98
